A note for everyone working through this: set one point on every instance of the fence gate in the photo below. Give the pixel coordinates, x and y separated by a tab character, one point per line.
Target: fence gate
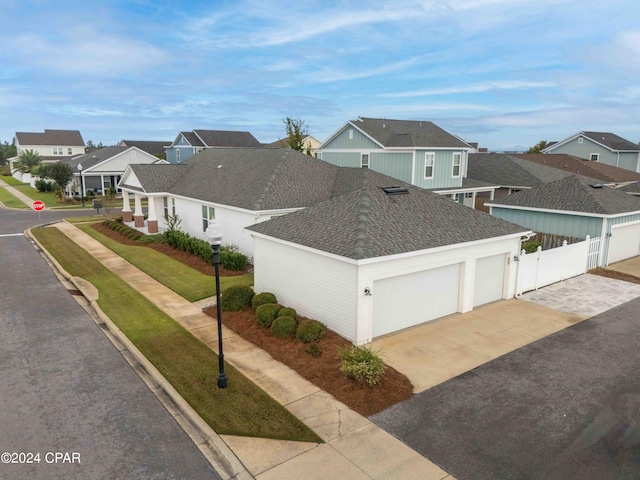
594	252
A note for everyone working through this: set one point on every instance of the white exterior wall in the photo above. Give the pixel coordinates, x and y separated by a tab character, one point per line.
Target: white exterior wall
47	150
119	163
331	289
317	286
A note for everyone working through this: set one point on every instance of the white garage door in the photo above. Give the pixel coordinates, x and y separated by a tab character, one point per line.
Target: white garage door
624	242
407	300
489	280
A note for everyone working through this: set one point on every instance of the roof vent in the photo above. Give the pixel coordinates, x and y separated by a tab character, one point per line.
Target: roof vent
595	185
397	190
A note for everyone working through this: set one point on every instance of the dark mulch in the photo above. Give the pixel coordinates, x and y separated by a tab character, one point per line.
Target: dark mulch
605	272
323	371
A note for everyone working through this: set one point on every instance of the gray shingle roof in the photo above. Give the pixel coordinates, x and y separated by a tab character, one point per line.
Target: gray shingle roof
408	133
89	160
193	139
368	223
612	141
158	178
573	194
510	170
149	146
226	138
60	138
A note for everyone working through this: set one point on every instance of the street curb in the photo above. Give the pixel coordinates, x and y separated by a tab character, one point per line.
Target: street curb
214	449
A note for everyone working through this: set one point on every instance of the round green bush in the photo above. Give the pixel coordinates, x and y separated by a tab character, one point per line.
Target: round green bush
310	331
288	312
284	327
361	364
267	313
262	298
236	298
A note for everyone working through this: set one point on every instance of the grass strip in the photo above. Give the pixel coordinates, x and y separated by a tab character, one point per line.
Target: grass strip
11	180
9	200
185	281
188	364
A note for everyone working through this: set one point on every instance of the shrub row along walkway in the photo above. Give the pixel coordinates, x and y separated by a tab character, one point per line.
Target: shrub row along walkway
355	448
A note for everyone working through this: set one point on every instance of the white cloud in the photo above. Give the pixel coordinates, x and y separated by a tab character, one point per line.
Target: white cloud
480	87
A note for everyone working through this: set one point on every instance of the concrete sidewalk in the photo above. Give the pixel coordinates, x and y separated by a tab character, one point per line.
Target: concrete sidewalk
355	448
17	193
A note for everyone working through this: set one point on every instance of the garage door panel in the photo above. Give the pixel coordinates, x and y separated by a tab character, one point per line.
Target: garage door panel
407	300
624	243
489	279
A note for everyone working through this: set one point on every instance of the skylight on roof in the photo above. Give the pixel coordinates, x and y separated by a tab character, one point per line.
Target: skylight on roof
397	190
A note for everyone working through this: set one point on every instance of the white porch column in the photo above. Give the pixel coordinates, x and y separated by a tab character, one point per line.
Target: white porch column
138	214
126	207
152	220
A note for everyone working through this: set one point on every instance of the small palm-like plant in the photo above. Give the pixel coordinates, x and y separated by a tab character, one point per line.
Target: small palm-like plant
28	161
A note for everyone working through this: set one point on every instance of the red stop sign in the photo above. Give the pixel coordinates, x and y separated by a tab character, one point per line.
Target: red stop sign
38	205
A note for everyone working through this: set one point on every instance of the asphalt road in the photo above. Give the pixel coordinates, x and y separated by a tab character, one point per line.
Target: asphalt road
565	407
69	401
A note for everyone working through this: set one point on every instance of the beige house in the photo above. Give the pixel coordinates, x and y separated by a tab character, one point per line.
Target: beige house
52	145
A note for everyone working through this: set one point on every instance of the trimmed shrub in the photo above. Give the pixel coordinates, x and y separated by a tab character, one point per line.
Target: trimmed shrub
233	260
288	312
236	298
263	298
267	313
310	331
284	327
361	364
314	349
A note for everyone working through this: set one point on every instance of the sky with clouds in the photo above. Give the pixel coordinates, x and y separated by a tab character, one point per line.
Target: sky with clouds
503	73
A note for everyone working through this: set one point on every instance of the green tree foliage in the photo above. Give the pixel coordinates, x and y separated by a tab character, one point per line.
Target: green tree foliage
6	152
28	161
538	147
61	173
297	130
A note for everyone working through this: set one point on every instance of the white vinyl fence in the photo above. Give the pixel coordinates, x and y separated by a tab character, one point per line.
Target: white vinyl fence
542	268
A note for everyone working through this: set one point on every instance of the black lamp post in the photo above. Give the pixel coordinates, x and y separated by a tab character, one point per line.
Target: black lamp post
214	234
81	184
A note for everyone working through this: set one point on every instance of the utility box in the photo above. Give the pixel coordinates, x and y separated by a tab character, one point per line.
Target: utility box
97	204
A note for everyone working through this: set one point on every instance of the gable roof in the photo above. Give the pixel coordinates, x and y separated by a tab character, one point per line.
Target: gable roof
369	223
60	138
577	165
93	158
573	194
226	138
404	133
149	146
510	170
608	140
155	177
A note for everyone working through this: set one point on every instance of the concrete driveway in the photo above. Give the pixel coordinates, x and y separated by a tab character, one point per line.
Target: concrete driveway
442	349
563	408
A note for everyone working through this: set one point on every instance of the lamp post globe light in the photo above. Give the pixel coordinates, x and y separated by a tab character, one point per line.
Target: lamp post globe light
214	234
81	184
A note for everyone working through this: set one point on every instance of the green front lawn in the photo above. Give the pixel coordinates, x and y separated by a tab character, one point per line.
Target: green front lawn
188	364
11	180
185	281
9	200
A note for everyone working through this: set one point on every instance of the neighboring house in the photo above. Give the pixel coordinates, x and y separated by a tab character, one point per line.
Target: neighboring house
511	172
155	148
310	143
416	152
330	241
103	168
52	145
187	144
575	206
600	147
378	260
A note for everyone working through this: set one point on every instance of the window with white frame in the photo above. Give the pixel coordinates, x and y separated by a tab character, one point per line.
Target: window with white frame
208	214
351	134
69	151
169	207
57	150
457	162
177	155
594	157
580	139
429	164
364	160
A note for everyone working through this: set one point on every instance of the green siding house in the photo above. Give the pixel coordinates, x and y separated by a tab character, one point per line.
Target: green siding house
601	147
416	152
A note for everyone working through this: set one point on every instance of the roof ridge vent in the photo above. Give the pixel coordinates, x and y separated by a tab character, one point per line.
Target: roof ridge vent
395	190
596	185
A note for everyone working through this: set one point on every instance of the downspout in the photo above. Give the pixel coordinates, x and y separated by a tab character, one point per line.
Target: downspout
603	239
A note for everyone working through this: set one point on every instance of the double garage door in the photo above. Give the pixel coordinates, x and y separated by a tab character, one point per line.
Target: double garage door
408	300
624	242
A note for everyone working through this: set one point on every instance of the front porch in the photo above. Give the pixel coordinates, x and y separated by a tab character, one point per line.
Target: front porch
135	218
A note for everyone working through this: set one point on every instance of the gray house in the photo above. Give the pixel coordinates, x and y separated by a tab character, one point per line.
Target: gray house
416	152
576	207
187	144
600	147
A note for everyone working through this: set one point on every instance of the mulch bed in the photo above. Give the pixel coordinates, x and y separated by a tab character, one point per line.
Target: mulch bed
605	272
323	371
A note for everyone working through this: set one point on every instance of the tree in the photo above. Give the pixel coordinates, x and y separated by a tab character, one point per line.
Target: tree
538	147
6	152
297	130
61	174
28	161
